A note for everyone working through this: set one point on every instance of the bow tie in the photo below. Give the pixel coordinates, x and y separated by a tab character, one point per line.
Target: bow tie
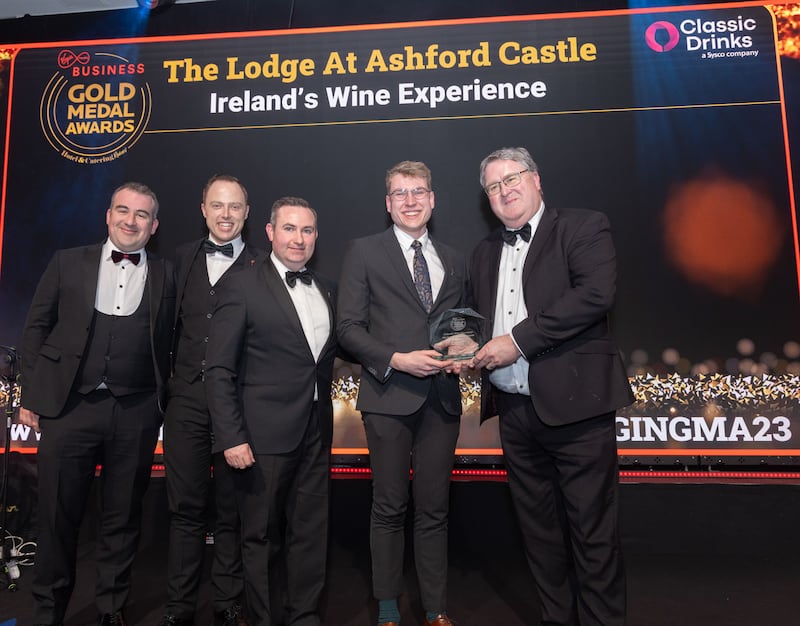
210	247
510	236
133	257
304	276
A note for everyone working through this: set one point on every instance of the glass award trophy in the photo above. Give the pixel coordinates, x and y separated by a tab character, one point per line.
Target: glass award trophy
457	334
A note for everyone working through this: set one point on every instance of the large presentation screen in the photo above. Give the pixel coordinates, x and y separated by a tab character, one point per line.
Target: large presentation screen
676	123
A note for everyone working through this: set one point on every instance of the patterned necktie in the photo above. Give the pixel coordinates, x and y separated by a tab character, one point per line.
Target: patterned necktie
133	257
304	276
422	279
510	236
210	248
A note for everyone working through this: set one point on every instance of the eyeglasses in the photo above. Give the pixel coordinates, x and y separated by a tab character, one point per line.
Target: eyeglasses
400	194
512	180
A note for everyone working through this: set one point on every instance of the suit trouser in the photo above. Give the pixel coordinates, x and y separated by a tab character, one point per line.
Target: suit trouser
187	459
564	485
283	502
119	433
425	441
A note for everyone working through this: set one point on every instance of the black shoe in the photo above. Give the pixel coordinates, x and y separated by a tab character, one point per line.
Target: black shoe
112	619
173	620
232	616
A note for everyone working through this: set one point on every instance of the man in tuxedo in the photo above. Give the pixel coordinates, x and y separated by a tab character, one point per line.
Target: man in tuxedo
268	379
203	269
393	286
545	281
95	359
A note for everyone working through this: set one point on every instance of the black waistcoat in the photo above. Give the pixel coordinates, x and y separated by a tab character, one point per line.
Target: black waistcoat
197	307
119	353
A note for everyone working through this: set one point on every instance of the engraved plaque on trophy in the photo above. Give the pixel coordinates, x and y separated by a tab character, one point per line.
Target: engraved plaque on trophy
458	334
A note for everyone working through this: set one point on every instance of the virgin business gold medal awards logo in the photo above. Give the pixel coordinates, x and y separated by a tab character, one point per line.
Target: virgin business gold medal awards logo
95	106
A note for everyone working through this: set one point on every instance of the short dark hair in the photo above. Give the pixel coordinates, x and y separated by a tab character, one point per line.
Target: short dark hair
290	201
140	188
225	178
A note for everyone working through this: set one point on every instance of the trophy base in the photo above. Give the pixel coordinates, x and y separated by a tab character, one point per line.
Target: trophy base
454	357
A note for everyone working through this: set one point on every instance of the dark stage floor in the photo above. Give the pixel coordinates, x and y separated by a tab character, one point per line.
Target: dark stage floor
696	554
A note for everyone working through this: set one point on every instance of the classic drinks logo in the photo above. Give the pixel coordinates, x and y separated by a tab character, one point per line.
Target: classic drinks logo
95	107
710	39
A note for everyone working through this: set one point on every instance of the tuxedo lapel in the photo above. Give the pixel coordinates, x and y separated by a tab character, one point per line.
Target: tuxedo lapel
90	266
154	288
449	274
540	237
245	259
328	297
276	285
397	259
490	272
184	267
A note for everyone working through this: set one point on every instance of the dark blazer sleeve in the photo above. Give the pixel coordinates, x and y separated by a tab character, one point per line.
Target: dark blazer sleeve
42	317
224	353
56	329
353	312
574	285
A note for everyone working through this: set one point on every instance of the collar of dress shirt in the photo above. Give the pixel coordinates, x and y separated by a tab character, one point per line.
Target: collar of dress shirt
405	240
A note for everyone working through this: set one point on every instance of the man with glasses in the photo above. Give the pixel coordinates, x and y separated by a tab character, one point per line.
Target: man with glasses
393	285
545	281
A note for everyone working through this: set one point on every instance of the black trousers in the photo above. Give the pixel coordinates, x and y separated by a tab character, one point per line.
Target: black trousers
188	459
564	486
119	433
425	442
284	504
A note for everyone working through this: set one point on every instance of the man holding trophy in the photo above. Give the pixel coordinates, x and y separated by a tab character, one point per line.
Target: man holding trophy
394	285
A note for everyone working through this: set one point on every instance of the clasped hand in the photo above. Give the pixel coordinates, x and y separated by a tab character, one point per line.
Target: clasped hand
498	352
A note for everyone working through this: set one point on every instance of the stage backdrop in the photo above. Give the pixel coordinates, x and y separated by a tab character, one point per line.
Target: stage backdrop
674	122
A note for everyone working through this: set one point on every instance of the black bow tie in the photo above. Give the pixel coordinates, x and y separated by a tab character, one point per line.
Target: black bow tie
133	257
510	236
210	248
304	276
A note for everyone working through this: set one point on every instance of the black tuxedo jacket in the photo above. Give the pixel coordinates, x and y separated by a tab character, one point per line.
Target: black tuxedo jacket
569	282
260	372
60	317
184	258
380	313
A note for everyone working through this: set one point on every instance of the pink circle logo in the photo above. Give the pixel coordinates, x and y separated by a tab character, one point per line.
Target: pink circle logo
655	35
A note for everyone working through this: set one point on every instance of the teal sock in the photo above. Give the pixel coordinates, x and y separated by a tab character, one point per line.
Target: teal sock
432	616
388	611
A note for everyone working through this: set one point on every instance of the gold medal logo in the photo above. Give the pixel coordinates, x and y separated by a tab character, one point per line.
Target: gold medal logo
95	107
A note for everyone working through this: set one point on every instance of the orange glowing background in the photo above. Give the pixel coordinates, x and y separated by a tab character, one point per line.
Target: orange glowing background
723	234
787	19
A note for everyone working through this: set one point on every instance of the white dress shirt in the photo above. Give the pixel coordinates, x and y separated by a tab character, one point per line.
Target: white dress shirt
119	285
311	309
510	309
217	264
